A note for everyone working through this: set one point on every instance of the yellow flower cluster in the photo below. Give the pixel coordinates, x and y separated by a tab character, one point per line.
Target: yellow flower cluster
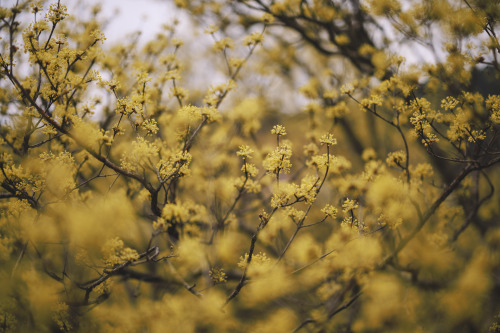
115	253
182	212
259	266
174	164
141	155
249	170
102	151
223	44
253	39
396	159
245	152
217	275
57	13
349	205
419	120
330	211
328	140
367	103
493	105
278	130
278	161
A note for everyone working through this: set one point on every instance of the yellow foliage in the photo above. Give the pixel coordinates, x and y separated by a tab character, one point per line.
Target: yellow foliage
282	320
274	283
150	184
304	249
42	297
391	199
191	256
466	297
229	247
93	222
362	253
384	300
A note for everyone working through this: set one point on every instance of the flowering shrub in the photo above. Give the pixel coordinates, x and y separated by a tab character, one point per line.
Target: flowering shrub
317	184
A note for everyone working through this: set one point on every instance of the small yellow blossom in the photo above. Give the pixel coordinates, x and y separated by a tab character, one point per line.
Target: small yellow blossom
267	18
342	39
279	199
253	39
176	42
176	164
397	158
278	130
151	126
116	253
236	62
310	89
294	213
493	105
259	265
331	94
368	154
36	6
330	211
179	92
57	13
62	316
97	35
347	89
449	103
217	275
140	155
245	152
278	161
422	170
211	29
328	140
223	44
349	205
311	149
160	224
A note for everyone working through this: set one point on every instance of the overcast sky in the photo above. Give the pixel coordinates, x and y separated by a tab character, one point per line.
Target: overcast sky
127	16
147	16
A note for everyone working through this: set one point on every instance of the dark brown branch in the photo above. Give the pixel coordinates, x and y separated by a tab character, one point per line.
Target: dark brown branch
303	324
345	305
428	214
474	210
237	289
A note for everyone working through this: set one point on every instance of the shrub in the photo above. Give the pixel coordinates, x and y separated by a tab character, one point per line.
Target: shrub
307	179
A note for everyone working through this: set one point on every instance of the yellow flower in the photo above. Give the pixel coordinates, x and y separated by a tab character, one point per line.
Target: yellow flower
347	89
328	140
267	18
253	39
211	29
245	152
330	211
36	6
397	158
342	39
116	253
349	205
176	42
57	13
217	275
223	44
278	161
278	130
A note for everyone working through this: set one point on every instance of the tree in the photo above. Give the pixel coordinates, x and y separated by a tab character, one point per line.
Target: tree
312	181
